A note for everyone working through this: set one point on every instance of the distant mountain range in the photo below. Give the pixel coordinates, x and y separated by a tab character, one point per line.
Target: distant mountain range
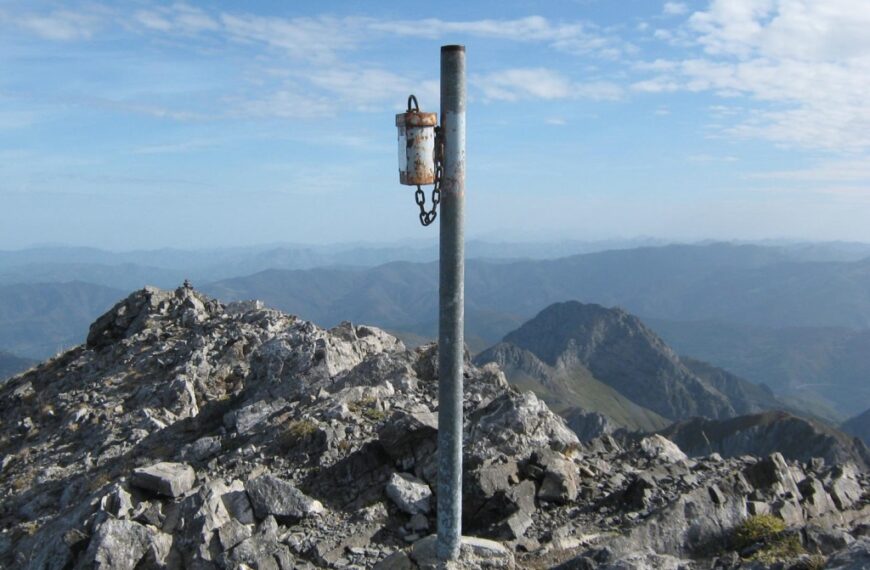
38	320
754	297
859	426
826	367
11	364
166	267
742	284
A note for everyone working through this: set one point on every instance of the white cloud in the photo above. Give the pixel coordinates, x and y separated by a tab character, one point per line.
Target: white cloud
572	37
179	18
60	25
540	83
806	65
844	170
367	88
675	8
286	103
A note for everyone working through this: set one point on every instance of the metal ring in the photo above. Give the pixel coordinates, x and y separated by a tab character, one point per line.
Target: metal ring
416	105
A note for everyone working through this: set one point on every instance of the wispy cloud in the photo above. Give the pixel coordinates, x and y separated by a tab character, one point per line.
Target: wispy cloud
805	65
675	8
60	25
572	37
541	83
848	170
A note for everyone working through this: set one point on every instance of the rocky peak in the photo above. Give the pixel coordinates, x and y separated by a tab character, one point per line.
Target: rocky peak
619	350
191	434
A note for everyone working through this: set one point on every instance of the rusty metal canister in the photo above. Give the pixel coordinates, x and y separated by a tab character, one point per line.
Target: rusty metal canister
416	147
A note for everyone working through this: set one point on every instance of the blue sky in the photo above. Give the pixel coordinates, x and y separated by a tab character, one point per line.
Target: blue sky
151	124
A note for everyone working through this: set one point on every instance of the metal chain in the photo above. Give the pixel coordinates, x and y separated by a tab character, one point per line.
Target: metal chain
426	218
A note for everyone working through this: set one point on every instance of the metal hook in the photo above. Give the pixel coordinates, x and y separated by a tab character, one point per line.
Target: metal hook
416	105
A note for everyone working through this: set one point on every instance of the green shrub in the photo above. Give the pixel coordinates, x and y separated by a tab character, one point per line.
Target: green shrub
301	429
757	528
770	532
367	407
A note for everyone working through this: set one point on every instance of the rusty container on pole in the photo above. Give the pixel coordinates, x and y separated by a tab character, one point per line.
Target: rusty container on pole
416	145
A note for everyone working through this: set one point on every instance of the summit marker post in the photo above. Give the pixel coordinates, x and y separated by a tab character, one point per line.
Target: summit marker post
429	154
451	306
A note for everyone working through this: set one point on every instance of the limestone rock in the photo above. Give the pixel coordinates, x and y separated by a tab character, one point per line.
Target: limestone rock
474	553
657	446
117	545
273	496
165	478
409	493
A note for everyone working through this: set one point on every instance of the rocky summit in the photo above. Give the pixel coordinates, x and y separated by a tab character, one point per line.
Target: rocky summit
187	433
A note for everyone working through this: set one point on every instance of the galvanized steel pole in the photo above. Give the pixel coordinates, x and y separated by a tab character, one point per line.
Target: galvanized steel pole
451	303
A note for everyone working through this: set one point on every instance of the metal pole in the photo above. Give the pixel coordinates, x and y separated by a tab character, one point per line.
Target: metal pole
451	303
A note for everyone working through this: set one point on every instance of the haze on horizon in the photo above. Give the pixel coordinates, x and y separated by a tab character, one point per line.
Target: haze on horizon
158	124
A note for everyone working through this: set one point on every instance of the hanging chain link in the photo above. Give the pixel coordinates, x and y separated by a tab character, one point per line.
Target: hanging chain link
426	218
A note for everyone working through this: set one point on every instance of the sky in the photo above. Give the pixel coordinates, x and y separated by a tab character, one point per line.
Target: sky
160	124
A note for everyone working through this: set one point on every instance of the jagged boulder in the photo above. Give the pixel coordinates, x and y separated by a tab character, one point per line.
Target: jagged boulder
273	496
165	478
409	493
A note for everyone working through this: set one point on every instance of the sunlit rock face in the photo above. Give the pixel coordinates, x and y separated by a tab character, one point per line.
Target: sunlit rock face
187	433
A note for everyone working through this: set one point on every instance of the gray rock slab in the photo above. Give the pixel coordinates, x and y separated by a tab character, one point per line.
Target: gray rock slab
409	493
168	479
474	553
117	545
270	495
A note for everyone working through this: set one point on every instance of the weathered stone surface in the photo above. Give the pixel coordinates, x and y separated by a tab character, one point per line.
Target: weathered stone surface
117	545
474	553
517	425
165	478
409	493
659	447
845	490
232	533
270	495
855	557
250	394
395	561
560	480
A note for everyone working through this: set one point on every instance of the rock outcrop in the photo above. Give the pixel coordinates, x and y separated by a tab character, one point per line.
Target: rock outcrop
191	434
607	361
796	438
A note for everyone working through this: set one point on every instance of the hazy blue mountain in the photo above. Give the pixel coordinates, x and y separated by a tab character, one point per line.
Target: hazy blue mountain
744	284
746	397
125	276
570	352
824	366
38	320
11	364
859	426
762	434
163	266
